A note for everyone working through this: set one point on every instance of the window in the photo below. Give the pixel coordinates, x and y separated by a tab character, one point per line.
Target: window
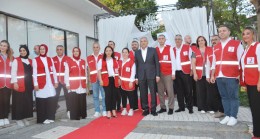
90	42
57	38
2	27
17	34
72	41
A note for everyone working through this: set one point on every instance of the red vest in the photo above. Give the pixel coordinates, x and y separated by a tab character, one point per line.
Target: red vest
125	74
132	55
77	74
165	60
60	68
201	60
92	65
117	56
104	73
20	74
226	59
5	73
251	73
41	74
185	60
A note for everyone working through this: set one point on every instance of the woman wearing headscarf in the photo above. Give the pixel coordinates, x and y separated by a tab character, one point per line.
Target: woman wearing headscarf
6	59
76	83
21	73
45	82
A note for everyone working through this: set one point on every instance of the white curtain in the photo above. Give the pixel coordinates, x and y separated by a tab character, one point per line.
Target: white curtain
212	25
191	22
117	29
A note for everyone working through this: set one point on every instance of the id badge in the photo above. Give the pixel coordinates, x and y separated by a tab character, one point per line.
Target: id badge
250	60
231	49
127	69
165	57
185	53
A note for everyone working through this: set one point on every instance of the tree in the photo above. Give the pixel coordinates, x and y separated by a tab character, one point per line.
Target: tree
182	4
256	3
139	7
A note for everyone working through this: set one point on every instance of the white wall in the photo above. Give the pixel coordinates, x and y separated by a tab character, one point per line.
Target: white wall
53	13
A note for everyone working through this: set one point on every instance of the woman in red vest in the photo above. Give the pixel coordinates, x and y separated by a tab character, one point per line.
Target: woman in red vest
5	81
250	63
22	99
199	64
76	83
109	79
127	72
45	81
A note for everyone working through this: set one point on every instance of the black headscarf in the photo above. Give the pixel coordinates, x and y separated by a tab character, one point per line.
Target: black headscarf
26	49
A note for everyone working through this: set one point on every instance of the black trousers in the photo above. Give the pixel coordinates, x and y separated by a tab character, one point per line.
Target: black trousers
183	89
135	101
254	103
194	92
204	99
65	90
45	108
77	105
216	98
118	98
110	95
143	86
127	94
5	94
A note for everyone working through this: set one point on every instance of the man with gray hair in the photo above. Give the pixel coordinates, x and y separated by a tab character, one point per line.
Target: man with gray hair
147	74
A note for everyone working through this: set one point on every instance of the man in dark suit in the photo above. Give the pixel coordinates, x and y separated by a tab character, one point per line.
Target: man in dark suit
147	74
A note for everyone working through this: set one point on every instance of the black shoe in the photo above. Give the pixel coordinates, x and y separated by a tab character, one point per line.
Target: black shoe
118	110
180	110
145	113
154	113
170	112
135	109
161	110
190	111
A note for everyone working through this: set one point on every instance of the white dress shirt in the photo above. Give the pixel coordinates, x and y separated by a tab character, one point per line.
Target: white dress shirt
14	69
133	69
173	59
48	90
79	90
240	51
178	57
110	65
144	53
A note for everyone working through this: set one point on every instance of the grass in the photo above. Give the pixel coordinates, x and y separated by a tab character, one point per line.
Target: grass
243	97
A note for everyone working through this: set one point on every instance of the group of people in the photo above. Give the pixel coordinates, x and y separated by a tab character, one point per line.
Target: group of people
200	75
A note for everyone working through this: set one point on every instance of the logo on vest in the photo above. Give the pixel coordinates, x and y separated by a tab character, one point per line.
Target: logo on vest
250	60
165	57
116	57
83	67
127	69
55	61
185	53
91	61
231	49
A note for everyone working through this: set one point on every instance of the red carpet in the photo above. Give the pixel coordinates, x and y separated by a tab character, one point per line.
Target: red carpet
103	128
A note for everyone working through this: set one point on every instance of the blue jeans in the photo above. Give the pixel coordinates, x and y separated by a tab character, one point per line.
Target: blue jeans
96	89
228	89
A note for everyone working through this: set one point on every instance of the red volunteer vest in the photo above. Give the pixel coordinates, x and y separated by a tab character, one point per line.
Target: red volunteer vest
60	68
165	60
77	74
5	73
41	74
20	74
251	73
117	56
104	73
226	59
201	60
132	55
185	61
125	74
92	65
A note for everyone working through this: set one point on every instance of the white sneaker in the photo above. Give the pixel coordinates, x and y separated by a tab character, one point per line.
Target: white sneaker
131	112
211	112
2	122
104	113
232	121
124	112
51	121
97	114
68	114
202	111
46	122
6	121
225	120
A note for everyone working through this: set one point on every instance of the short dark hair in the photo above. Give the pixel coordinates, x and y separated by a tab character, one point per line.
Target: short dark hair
125	49
224	26
112	42
162	35
135	41
59	46
178	35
